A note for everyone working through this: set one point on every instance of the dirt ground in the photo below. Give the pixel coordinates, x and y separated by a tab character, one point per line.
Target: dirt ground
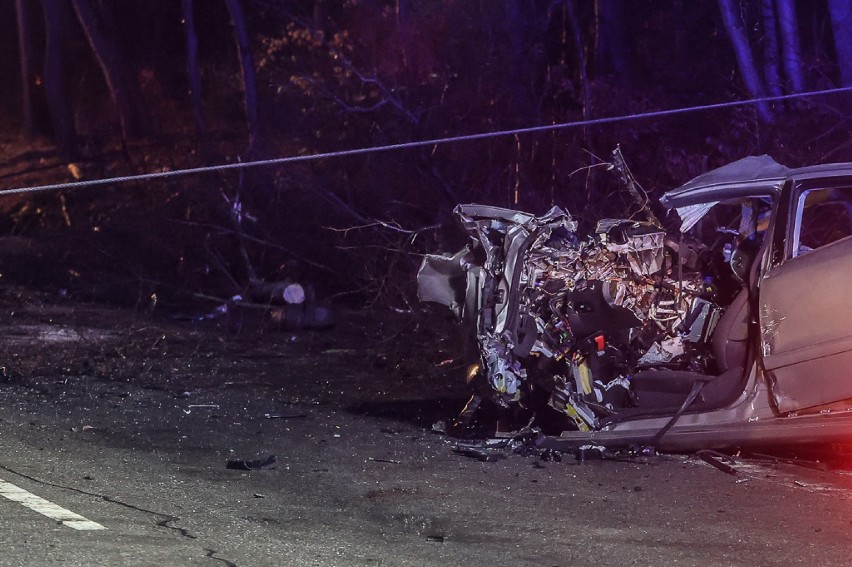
366	357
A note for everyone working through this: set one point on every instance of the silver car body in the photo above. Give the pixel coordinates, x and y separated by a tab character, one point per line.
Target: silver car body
769	364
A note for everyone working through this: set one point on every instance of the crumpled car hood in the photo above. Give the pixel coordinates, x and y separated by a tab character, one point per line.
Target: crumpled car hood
567	315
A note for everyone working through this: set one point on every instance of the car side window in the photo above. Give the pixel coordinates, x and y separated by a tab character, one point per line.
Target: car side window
823	216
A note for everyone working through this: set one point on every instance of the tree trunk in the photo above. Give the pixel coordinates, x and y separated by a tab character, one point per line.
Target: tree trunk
519	65
745	60
56	20
841	23
581	63
114	68
192	69
681	53
25	55
247	64
791	50
771	71
406	40
611	49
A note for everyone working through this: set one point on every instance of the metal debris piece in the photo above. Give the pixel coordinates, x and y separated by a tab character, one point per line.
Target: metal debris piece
790	460
590	453
483	454
284	415
550	456
389	461
263	463
713	458
87	428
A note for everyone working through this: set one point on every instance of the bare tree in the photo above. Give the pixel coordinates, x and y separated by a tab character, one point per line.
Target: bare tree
745	58
25	54
406	38
192	68
247	64
791	50
517	27
611	43
581	57
56	19
771	68
121	86
841	23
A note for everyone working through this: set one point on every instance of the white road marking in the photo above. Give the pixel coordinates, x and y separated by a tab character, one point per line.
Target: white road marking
46	507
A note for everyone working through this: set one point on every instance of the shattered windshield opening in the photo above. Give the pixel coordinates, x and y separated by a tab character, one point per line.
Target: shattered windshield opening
578	332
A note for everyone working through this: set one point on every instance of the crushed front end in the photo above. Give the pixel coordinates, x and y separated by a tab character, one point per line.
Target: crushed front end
563	323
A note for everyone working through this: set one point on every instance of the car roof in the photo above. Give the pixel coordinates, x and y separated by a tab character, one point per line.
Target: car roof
821	170
753	175
748	176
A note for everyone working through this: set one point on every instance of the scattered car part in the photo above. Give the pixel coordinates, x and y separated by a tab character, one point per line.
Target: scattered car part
262	463
717	460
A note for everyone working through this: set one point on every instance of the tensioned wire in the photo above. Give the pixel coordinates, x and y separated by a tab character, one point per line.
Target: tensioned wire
416	144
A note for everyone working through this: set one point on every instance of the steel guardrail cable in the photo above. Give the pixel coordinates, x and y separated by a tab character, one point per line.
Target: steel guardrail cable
415	144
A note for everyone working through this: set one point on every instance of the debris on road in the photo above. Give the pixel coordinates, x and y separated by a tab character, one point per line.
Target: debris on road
788	460
716	459
484	454
263	463
533	443
87	428
284	415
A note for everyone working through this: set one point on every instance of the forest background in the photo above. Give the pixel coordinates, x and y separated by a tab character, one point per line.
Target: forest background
98	88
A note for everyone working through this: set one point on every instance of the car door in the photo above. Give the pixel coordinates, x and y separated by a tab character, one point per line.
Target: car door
805	301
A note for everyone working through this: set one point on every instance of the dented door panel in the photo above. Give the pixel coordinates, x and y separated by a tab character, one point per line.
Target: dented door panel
805	317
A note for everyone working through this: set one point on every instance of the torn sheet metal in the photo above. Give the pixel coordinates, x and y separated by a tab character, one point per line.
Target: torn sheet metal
691	214
591	311
753	175
439	279
640	243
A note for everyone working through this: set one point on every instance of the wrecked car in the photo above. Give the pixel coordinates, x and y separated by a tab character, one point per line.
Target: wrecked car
733	329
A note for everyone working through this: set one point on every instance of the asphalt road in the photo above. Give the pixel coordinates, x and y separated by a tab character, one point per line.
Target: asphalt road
349	489
359	478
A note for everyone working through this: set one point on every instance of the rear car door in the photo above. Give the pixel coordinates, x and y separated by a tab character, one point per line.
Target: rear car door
805	305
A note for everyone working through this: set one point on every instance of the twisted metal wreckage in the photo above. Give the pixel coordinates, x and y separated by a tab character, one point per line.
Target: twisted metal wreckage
635	337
